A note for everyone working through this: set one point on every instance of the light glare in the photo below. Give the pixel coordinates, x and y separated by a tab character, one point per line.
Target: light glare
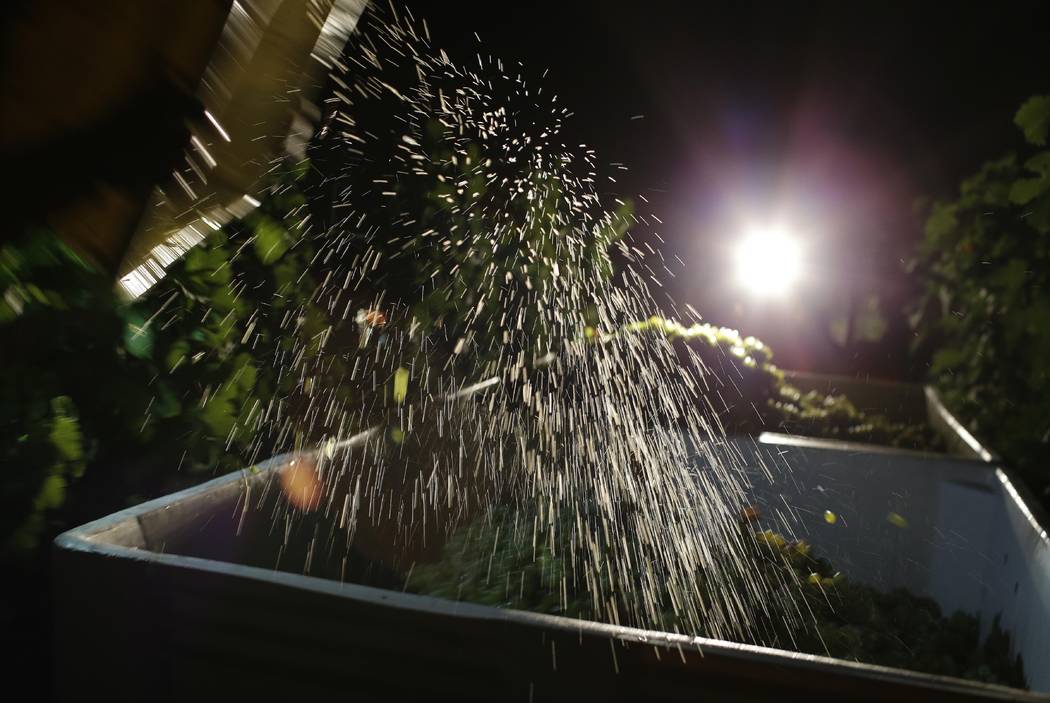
768	262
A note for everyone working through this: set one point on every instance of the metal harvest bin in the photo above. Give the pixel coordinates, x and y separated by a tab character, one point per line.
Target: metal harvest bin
165	600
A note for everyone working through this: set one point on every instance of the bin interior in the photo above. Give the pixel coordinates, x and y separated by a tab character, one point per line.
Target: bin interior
952	529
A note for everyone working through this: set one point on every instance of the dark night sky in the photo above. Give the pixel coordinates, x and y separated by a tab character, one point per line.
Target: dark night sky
832	116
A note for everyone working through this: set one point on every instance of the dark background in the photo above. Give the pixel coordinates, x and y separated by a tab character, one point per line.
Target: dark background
833	117
836	116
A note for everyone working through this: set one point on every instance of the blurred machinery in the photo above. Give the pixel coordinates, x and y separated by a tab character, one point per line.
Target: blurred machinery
134	129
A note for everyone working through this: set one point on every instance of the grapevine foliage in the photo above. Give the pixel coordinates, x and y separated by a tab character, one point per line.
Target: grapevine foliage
983	319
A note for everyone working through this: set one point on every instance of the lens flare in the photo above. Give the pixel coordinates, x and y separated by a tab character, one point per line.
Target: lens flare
301	483
768	262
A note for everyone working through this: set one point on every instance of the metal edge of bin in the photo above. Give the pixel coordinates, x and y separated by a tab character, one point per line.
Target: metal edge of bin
90	539
961	439
1018	490
805	441
922	403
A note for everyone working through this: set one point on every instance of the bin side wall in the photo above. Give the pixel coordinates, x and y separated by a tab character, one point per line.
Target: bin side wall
964	541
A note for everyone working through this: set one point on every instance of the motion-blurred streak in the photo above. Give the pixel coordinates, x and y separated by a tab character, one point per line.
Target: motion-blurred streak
132	129
95	99
259	93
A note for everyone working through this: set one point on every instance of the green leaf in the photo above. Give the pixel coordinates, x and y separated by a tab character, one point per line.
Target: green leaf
401	385
941	223
1034	119
947	359
138	337
1011	276
244	374
218	414
271	239
285	275
1028	189
1025	190
52	493
1038	216
1040	163
165	404
176	354
869	324
65	430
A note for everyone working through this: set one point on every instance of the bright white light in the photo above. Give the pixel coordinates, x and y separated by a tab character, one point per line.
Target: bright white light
768	262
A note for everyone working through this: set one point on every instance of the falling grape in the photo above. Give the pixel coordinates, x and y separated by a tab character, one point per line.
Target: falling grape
897	520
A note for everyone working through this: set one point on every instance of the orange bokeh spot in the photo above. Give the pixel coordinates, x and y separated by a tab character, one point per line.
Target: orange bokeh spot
750	513
375	318
301	483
